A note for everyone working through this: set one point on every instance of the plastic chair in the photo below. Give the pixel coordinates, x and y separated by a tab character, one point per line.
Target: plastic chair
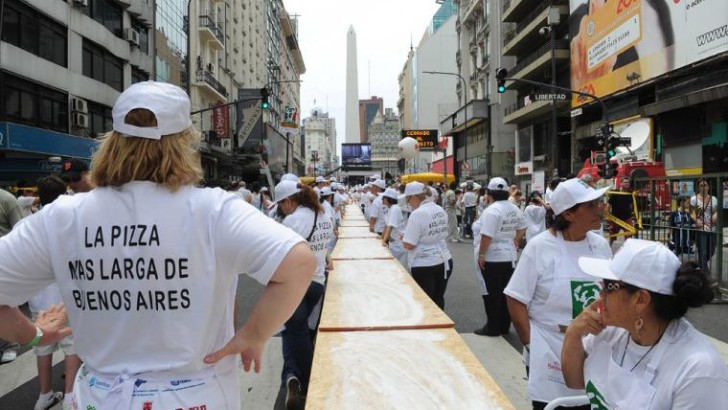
568	401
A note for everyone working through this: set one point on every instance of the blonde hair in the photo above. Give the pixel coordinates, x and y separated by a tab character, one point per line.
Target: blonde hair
171	161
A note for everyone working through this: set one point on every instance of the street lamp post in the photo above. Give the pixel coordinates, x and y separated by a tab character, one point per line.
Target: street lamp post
465	118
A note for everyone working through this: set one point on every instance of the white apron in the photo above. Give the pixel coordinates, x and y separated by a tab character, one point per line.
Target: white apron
398	251
571	292
609	386
215	387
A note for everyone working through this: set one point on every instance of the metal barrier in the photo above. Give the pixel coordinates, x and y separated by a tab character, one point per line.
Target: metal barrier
668	212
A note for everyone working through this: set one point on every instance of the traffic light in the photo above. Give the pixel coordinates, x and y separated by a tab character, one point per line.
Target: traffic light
500	76
264	104
615	141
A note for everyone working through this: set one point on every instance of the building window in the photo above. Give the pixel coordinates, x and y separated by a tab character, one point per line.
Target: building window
99	119
102	66
28	103
143	36
137	75
108	14
35	33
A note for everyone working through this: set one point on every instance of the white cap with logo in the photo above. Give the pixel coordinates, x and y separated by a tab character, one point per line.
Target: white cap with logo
169	104
498	184
326	191
646	264
572	192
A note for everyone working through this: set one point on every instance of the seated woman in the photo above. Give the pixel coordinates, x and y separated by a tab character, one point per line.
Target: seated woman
639	352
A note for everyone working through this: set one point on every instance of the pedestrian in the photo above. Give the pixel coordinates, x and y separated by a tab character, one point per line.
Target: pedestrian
450	205
49	189
482	203
621	206
28	201
548	289
428	258
147	265
705	207
377	212
470	202
459	211
639	351
501	229
10	214
681	227
77	175
535	215
304	215
393	233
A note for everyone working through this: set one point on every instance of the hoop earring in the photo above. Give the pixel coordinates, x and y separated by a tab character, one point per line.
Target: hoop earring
639	325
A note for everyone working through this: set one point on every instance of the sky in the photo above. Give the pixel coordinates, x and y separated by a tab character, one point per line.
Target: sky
384	30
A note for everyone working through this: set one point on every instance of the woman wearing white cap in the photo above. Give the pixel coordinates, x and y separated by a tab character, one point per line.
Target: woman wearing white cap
304	214
377	211
147	266
392	236
501	227
327	200
639	352
424	238
548	289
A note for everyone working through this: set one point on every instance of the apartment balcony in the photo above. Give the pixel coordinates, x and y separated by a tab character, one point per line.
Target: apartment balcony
480	33
525	111
211	33
205	79
472	10
520	40
516	10
533	65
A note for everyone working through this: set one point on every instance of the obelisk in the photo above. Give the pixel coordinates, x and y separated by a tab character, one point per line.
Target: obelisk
352	90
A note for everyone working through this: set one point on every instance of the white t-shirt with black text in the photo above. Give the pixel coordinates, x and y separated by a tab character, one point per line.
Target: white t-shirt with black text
500	221
145	273
379	211
427	230
301	221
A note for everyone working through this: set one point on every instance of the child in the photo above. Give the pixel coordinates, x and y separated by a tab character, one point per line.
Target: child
681	223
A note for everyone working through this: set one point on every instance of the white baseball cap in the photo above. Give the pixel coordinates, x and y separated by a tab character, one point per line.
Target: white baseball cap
572	192
498	184
646	264
380	183
414	188
326	191
284	189
320	179
290	177
169	103
391	193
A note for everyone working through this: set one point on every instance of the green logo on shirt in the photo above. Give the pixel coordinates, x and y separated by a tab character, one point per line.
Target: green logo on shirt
583	293
596	399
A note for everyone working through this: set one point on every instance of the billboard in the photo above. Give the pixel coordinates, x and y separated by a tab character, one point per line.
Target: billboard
426	139
621	43
356	155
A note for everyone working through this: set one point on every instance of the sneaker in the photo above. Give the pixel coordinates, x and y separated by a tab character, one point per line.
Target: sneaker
50	402
9	355
293	393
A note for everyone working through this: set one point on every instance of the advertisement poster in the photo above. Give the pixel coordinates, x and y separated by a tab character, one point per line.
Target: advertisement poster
539	181
621	43
683	188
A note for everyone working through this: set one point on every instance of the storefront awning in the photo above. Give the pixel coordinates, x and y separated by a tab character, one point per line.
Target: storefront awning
22	138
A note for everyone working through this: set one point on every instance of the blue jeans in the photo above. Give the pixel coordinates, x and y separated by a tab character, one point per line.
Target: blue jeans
468	221
298	340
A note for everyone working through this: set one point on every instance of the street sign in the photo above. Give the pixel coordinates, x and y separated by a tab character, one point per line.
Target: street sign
426	139
549	97
575	113
251	115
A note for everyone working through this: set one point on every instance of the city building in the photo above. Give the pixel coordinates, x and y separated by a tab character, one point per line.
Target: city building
538	38
62	66
427	99
320	142
666	92
238	48
384	135
368	109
